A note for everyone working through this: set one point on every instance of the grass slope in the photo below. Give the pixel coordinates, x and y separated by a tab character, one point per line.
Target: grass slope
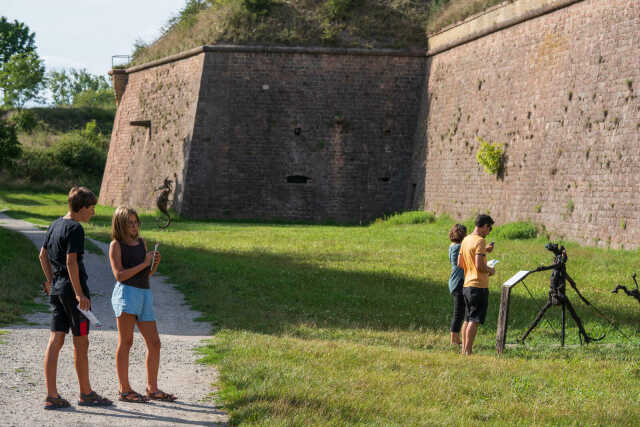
349	325
340	23
20	276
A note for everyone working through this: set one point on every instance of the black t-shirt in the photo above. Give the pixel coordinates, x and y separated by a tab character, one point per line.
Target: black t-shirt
65	236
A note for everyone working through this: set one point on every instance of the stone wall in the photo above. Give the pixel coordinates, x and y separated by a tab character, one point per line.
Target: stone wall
348	135
303	135
269	133
151	134
560	91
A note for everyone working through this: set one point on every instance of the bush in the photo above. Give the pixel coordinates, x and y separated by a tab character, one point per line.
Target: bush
490	156
411	217
9	144
24	120
516	230
77	153
101	98
37	165
259	7
340	9
75	158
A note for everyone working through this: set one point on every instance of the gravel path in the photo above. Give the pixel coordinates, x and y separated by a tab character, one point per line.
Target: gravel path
22	388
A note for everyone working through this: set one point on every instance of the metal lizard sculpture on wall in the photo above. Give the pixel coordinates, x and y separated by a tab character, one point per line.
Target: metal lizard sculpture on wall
162	201
557	294
633	292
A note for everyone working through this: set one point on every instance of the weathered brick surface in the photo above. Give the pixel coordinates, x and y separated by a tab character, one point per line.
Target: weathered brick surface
376	133
140	158
345	122
561	91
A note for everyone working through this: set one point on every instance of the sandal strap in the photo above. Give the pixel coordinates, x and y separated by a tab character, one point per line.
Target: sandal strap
138	397
58	401
92	397
161	395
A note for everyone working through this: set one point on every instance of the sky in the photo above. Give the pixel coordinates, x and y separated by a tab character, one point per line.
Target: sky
87	33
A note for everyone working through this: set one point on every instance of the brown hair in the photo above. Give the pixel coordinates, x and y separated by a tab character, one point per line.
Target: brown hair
457	233
119	222
81	197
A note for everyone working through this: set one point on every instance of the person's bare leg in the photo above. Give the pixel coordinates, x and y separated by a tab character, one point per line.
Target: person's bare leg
149	332
56	341
463	334
126	322
472	329
81	358
455	338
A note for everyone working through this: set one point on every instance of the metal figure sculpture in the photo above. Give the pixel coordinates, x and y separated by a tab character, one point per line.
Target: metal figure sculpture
557	294
162	201
633	292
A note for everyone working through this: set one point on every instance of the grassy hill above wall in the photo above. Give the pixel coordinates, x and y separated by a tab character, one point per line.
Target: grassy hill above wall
400	24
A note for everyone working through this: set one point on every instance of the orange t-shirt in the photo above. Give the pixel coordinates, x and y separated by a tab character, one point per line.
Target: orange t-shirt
472	245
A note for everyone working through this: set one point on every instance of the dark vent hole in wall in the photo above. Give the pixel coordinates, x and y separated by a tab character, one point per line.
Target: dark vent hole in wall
297	131
384	179
298	179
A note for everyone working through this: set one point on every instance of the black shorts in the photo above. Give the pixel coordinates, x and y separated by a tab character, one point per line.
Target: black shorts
476	301
65	315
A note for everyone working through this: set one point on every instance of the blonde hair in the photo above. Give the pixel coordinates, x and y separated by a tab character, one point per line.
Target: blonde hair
119	222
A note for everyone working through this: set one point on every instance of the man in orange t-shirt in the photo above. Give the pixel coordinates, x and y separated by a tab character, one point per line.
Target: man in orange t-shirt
473	261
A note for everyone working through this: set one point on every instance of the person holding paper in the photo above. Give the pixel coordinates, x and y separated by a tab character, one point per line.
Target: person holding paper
473	261
61	258
132	265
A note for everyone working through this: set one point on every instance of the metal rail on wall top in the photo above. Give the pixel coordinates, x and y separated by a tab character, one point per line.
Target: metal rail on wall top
120	61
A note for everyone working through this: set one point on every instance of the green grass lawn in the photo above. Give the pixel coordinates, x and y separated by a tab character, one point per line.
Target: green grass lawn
20	276
321	324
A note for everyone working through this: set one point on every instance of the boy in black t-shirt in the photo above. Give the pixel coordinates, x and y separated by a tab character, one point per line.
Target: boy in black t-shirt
61	260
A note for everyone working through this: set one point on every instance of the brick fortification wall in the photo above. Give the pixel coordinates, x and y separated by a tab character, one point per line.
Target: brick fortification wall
152	132
561	91
269	133
348	135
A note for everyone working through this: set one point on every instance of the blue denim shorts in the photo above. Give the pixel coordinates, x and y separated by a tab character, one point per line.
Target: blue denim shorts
132	300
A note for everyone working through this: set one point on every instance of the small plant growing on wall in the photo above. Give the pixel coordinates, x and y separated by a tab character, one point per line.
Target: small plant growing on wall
490	156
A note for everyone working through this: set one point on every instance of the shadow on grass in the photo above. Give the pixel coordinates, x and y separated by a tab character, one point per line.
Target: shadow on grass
274	294
289	293
102	220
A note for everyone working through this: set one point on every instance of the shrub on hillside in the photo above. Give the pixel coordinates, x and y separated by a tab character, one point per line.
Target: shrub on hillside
516	230
340	9
9	144
101	98
77	153
411	217
78	157
24	120
37	165
259	7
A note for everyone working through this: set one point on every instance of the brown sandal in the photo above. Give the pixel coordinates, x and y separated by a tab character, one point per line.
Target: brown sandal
161	395
133	397
56	403
93	399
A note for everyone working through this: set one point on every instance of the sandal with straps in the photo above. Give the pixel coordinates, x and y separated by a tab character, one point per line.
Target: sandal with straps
56	403
93	399
161	395
133	397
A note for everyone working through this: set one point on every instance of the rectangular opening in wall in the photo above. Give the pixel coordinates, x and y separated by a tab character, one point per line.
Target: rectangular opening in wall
298	179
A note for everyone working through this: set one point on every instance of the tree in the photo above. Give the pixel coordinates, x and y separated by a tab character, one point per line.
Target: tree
14	38
21	78
79	87
9	145
21	71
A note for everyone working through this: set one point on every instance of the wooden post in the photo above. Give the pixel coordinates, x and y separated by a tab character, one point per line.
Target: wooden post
503	318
